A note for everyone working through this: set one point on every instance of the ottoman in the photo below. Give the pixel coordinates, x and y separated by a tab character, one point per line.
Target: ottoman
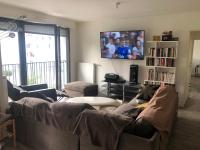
81	88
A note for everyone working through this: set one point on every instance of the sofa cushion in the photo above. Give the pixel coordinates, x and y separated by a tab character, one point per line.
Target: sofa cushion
36	95
104	129
141	128
78	86
71	93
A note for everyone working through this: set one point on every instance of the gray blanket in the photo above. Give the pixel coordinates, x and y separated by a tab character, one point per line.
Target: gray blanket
103	129
59	115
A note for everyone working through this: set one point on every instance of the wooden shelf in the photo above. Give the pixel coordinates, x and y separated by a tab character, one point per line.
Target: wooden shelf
159	81
162	41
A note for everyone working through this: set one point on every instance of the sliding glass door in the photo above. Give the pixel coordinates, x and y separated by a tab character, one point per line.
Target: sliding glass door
40	58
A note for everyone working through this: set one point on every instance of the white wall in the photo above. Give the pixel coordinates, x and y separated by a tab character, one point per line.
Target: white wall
196	55
180	24
14	12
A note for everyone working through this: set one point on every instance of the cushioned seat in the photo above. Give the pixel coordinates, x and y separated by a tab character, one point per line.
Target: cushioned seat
81	88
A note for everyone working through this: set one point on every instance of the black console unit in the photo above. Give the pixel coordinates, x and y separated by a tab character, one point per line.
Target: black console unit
122	90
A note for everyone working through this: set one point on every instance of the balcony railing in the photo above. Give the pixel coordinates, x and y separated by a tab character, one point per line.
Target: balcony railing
37	72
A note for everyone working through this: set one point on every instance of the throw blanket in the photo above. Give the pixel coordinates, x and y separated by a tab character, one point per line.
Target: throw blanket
161	111
59	115
103	129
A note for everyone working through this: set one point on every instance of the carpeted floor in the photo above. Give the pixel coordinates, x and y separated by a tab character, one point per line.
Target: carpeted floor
186	135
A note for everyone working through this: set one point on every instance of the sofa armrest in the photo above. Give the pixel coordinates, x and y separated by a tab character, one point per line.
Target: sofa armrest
34	87
47	92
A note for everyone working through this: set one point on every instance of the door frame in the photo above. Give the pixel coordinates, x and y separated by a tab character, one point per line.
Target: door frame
194	35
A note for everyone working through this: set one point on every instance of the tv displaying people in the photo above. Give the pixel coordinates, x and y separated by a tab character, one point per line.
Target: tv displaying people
122	45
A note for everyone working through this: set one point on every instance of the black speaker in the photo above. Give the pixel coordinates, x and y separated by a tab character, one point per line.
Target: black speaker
133	74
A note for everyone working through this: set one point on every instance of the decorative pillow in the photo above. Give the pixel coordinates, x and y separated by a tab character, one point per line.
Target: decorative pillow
147	92
128	110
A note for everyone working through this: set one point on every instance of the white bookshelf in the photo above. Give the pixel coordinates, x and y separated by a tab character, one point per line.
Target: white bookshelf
160	60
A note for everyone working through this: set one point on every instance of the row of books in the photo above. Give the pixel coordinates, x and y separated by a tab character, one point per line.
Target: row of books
162	52
161	76
150	61
151	52
151	74
166	52
168	62
165	76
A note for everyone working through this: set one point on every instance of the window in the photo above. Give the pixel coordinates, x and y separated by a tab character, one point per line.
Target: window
39	53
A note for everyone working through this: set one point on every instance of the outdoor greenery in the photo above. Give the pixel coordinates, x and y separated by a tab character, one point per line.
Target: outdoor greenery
7	73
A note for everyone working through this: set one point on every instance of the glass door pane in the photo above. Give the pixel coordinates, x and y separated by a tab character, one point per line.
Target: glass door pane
40	57
63	55
10	59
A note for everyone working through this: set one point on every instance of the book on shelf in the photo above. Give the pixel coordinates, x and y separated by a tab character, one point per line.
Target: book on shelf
171	52
151	52
165	62
165	76
150	62
170	62
166	52
160	62
158	52
151	74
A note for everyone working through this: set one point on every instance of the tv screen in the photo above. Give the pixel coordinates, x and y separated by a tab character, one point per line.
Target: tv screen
122	45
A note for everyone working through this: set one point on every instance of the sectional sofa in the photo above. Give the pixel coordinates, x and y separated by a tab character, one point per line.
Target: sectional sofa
41	125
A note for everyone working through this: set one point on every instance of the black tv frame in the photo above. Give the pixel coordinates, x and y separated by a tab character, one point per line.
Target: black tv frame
142	58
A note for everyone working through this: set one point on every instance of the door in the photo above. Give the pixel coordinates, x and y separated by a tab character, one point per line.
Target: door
40	54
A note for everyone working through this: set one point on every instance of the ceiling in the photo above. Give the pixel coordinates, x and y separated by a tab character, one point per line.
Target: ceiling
88	10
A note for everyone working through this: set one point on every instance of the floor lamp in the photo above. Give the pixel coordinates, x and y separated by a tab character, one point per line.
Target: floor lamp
3	83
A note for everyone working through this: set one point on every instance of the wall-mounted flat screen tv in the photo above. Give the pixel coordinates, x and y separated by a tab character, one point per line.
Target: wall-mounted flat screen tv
122	44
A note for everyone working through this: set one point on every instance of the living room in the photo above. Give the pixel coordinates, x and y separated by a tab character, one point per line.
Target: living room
85	31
